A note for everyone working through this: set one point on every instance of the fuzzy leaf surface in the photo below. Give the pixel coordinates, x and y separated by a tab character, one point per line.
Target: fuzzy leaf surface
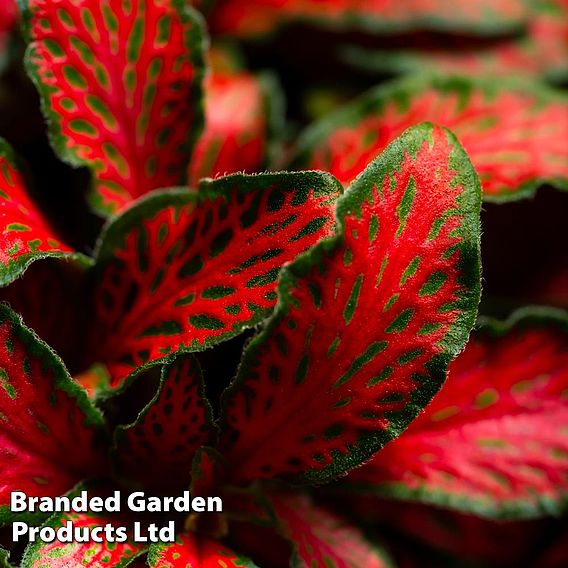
494	441
158	449
237	126
50	434
120	84
186	270
89	554
259	17
191	549
514	133
24	234
366	323
320	538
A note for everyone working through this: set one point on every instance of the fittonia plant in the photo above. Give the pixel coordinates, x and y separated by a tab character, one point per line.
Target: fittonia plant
352	291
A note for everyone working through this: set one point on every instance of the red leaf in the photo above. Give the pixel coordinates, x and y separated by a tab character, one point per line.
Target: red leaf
90	554
49	433
515	134
257	17
541	51
494	440
186	270
158	449
24	234
120	84
237	125
366	323
196	551
320	538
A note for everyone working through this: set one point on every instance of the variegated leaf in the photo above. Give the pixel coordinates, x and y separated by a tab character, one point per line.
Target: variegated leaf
185	270
514	132
121	85
49	432
366	323
494	441
25	235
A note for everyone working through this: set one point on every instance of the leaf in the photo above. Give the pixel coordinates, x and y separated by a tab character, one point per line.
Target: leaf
260	17
169	430
241	112
514	132
50	434
493	442
196	551
120	84
320	538
90	554
25	235
185	270
541	52
366	323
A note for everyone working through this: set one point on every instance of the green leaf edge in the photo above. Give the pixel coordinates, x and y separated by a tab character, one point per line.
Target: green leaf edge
529	316
456	336
119	435
62	381
13	269
196	42
400	90
146	206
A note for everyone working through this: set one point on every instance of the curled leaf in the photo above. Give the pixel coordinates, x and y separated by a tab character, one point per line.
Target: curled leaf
157	450
185	270
366	323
